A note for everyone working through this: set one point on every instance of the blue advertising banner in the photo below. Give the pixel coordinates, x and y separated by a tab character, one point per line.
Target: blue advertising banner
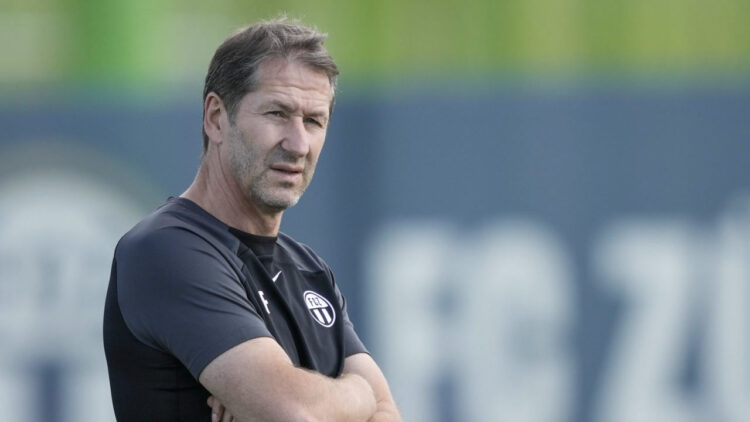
516	255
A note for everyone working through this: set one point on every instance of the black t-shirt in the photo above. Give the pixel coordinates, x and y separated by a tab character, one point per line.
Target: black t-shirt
184	288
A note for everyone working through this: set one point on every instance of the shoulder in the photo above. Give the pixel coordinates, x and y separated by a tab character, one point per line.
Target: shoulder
167	265
175	248
176	228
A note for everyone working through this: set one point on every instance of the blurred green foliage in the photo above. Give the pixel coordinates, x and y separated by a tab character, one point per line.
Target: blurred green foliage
82	41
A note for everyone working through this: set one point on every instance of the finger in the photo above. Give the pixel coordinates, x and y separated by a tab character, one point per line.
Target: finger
227	416
217	411
210	401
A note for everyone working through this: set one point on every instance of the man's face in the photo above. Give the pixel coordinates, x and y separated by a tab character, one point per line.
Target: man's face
278	133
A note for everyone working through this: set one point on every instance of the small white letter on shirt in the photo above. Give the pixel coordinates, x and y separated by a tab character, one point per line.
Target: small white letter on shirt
265	302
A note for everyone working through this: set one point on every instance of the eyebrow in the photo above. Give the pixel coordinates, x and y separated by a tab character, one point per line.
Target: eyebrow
288	109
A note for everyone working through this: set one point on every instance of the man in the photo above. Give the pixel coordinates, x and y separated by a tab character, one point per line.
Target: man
208	301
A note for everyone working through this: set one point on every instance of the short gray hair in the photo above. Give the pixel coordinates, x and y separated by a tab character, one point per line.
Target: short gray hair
233	70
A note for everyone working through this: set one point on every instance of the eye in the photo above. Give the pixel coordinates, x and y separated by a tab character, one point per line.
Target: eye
313	121
276	113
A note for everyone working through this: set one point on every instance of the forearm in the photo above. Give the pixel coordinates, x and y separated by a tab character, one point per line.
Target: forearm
257	382
345	399
387	413
322	399
384	417
350	399
363	365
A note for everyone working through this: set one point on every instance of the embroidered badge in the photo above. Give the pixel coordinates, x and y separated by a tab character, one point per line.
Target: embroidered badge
320	308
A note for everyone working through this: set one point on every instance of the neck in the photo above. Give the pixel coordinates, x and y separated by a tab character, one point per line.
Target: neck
216	191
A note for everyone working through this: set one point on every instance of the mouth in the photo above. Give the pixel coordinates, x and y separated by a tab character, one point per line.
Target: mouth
287	169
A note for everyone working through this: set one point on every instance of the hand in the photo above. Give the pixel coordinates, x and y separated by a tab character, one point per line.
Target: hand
218	412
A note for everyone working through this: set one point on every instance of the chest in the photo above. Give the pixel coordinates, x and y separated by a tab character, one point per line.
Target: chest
301	311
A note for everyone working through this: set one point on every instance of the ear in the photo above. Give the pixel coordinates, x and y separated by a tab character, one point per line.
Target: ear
214	118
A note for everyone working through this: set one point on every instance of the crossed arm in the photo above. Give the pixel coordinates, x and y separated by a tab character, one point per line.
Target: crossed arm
256	381
364	366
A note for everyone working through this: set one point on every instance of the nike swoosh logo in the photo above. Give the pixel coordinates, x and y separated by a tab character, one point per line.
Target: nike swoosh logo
276	276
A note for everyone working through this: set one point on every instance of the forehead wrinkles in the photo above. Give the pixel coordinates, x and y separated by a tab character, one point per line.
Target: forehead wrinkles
294	99
294	84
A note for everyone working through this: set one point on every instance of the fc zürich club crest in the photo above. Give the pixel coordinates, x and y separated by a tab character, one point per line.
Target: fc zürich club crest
320	308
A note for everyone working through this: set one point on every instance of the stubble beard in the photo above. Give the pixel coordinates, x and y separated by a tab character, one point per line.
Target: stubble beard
272	198
252	174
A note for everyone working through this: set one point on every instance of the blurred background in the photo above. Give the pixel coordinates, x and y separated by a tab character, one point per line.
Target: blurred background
539	210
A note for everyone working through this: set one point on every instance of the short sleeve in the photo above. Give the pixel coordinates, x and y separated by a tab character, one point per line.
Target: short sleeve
178	294
352	342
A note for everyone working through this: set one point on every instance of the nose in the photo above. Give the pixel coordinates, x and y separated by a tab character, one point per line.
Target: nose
296	139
